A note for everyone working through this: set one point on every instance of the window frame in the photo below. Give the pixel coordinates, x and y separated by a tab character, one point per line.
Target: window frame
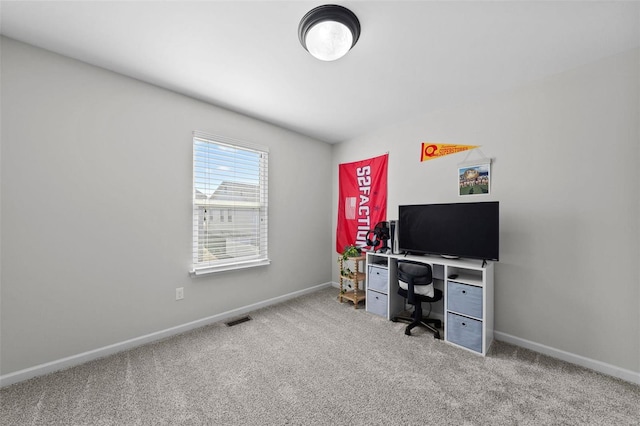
227	208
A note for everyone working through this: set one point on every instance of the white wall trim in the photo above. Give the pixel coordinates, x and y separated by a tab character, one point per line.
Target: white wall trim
64	363
73	360
599	366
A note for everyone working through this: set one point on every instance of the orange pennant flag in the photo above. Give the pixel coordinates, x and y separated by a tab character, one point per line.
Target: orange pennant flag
434	150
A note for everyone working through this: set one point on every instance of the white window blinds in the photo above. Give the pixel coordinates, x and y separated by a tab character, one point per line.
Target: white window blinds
230	204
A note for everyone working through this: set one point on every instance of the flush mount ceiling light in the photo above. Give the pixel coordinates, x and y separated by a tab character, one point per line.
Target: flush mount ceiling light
328	32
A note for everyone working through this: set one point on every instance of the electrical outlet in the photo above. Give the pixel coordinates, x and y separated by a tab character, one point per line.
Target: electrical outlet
179	293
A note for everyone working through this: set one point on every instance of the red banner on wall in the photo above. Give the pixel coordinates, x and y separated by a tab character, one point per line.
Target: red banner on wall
362	200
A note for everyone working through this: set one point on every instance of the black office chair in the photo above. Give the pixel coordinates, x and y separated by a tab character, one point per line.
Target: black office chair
416	274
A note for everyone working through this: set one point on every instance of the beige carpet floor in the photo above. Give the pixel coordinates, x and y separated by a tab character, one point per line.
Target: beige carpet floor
314	361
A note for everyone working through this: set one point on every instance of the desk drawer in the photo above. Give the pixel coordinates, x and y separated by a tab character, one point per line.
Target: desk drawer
376	303
464	299
377	279
464	331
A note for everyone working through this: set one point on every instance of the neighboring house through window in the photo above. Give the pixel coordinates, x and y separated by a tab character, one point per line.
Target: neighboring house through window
230	200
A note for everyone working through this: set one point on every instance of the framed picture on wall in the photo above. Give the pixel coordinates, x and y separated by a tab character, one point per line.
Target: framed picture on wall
474	179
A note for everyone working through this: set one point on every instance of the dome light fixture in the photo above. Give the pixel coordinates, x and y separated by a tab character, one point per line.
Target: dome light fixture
328	32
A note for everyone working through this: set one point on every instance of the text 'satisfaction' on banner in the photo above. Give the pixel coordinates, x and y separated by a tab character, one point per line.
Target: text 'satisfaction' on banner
362	200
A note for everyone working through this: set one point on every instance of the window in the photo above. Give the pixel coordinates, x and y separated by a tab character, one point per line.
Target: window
230	181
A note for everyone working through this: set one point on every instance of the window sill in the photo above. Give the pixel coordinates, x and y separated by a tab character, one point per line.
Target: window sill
206	270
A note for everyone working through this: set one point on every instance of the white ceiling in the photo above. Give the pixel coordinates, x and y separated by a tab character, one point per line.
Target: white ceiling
412	57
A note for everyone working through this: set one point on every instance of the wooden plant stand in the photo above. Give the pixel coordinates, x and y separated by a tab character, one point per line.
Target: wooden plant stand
356	295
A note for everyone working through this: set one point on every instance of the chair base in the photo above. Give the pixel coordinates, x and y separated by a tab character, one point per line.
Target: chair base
423	322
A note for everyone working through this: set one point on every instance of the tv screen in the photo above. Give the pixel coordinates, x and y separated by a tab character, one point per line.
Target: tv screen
469	230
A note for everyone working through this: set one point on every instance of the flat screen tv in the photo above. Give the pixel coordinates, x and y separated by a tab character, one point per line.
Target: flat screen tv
466	230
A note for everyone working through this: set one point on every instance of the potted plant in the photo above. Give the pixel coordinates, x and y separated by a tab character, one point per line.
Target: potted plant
349	251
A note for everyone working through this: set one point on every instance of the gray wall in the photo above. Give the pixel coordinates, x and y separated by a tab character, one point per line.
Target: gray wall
96	206
566	153
96	209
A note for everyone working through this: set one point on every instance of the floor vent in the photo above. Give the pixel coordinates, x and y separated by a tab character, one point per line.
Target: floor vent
238	321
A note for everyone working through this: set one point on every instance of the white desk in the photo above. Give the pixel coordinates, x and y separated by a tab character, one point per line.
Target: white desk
468	298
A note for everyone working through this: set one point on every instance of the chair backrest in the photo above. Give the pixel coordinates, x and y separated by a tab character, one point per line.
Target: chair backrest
414	272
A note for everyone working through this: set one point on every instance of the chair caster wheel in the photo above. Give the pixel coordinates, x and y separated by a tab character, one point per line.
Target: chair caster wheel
436	336
394	319
407	332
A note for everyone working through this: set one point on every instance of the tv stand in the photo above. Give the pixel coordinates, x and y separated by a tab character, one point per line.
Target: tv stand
468	295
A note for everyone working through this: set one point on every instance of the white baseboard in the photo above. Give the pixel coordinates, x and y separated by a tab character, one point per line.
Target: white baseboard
599	366
64	363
